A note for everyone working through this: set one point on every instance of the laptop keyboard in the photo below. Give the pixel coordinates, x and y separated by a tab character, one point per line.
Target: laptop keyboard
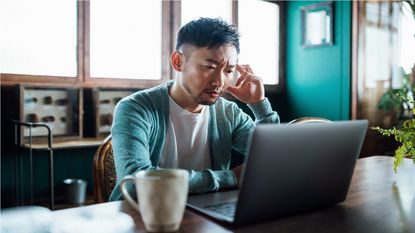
227	209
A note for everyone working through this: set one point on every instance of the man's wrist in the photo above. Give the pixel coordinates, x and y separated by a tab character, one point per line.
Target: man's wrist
261	109
226	178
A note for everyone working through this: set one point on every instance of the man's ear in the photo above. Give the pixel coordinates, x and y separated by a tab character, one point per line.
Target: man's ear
176	60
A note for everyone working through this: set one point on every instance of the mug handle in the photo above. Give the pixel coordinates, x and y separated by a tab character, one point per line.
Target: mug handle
125	193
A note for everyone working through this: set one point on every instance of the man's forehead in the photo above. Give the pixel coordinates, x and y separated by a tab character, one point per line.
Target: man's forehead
230	62
215	55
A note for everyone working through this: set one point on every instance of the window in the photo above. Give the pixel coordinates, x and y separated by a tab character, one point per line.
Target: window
381	34
260	38
123	43
258	23
125	39
407	42
194	9
37	40
385	37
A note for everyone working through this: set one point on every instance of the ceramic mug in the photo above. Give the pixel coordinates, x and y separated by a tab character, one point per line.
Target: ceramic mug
161	197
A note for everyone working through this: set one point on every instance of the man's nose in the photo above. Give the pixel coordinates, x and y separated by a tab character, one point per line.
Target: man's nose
219	79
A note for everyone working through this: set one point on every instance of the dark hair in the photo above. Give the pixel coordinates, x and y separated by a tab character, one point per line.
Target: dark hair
207	32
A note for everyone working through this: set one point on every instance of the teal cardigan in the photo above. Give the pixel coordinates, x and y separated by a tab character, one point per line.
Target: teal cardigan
140	126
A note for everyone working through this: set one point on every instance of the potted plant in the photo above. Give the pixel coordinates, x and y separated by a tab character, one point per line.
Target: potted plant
405	134
392	99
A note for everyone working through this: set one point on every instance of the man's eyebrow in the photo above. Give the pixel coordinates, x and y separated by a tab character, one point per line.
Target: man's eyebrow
216	62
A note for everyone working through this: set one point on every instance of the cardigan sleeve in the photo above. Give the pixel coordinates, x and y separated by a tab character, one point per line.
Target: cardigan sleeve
263	112
131	132
208	180
244	124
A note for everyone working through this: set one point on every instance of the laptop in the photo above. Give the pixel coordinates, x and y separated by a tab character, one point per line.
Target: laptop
290	169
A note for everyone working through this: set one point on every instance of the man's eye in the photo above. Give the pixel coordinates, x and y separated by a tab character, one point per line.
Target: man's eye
229	71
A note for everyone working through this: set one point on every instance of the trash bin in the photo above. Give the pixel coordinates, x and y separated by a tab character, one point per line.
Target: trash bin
75	191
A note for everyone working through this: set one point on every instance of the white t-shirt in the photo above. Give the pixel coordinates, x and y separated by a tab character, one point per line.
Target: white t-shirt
187	139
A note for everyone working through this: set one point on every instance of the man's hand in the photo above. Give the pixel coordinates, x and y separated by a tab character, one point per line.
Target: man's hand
238	171
248	87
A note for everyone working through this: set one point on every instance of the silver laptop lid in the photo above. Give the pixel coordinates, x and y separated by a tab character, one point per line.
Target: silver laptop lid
296	168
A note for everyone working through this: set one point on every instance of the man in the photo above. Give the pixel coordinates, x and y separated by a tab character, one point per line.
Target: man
185	123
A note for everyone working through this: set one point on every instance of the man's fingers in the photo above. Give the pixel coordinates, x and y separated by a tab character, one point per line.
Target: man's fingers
231	89
248	69
240	69
247	78
244	68
234	91
239	80
246	74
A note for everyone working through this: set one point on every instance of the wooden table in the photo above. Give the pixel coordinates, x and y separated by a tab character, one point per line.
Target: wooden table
378	201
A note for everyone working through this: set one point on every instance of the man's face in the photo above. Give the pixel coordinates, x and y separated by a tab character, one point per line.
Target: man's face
205	73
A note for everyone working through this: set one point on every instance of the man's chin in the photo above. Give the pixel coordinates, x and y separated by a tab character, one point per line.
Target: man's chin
208	102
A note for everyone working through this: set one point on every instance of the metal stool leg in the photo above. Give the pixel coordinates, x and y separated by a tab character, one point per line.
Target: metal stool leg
51	184
19	162
31	166
21	180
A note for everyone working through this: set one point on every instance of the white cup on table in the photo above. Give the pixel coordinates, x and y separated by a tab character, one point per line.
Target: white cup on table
161	195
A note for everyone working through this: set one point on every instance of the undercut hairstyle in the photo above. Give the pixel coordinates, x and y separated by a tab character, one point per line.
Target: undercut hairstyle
207	32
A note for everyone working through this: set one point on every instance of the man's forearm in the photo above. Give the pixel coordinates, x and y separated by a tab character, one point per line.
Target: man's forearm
209	181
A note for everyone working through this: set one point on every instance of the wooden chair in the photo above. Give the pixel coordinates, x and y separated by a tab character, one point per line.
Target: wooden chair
306	120
104	171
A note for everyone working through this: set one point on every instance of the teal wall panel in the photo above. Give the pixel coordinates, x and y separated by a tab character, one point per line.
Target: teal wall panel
318	79
68	163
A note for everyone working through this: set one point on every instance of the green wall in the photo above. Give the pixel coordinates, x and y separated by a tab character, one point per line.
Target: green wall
318	79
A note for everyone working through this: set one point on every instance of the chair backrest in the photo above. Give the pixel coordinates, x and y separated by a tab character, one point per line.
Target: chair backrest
306	120
104	171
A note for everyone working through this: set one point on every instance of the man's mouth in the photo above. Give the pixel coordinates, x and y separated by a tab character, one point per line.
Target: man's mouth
213	93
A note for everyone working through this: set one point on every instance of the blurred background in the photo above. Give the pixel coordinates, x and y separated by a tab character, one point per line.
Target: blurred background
67	63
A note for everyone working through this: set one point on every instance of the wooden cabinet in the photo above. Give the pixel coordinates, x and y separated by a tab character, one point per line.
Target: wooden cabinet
57	107
99	108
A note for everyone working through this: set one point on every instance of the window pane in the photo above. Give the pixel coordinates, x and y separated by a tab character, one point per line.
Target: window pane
407	30
38	37
194	9
260	38
377	67
125	39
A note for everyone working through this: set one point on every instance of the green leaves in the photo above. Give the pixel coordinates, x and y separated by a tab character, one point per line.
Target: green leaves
405	135
399	99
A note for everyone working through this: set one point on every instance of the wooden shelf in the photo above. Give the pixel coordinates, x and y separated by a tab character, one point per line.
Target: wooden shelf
71	144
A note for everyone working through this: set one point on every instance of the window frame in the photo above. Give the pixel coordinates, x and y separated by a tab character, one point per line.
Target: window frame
280	87
120	82
171	17
13	79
